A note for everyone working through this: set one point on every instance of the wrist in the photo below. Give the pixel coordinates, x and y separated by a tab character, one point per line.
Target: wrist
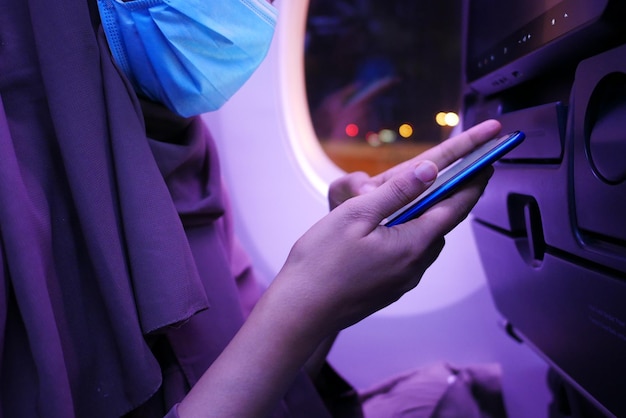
293	313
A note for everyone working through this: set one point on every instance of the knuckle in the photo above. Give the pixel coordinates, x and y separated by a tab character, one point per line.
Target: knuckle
402	189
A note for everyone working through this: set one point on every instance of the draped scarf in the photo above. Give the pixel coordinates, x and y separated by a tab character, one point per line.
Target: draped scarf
94	252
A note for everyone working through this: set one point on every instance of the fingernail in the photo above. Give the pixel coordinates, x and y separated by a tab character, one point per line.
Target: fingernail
426	172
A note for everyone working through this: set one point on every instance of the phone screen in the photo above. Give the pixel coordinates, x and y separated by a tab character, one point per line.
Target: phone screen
456	175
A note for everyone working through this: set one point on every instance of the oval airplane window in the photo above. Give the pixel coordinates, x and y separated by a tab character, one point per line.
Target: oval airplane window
383	79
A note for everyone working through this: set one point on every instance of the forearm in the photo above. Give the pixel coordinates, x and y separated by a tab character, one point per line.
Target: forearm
258	366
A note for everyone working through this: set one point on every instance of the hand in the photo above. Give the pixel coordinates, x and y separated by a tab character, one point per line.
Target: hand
348	266
443	154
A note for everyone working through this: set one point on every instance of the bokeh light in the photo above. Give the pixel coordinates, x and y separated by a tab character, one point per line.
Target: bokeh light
440	118
373	139
387	135
405	130
352	130
447	119
452	119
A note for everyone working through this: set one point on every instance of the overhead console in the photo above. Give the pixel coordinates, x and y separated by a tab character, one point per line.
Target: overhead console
551	226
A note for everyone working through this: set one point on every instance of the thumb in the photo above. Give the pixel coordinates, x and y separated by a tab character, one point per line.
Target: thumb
401	189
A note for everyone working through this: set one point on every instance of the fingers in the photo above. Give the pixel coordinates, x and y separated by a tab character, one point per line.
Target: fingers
348	186
449	150
456	147
445	215
397	192
402	187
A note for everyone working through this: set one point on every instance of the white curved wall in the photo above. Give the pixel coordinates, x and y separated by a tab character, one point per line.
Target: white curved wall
277	175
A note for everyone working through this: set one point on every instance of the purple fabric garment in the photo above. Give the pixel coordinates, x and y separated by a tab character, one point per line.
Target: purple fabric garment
94	257
438	390
121	280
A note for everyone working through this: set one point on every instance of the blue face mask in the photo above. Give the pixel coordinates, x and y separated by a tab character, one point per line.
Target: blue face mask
190	55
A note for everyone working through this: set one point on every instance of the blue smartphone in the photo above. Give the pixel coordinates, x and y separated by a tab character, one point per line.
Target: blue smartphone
456	175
